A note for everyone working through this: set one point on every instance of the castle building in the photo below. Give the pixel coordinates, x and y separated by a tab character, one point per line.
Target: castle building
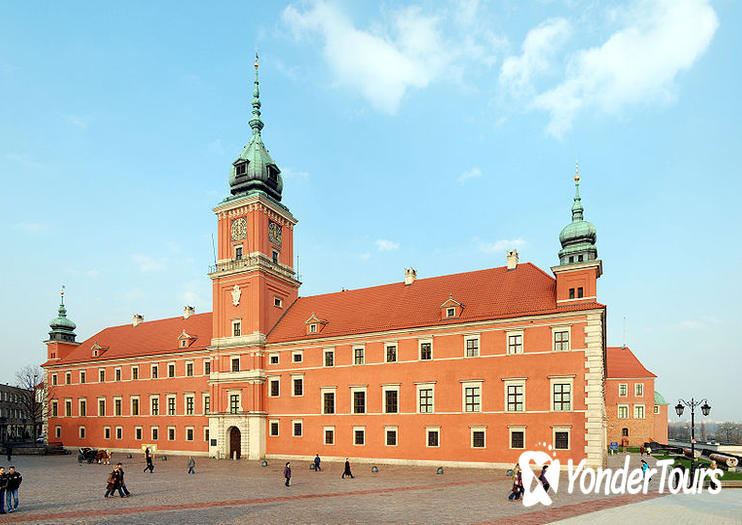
464	369
637	413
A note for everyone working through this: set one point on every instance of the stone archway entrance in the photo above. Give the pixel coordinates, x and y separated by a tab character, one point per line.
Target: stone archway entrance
235	438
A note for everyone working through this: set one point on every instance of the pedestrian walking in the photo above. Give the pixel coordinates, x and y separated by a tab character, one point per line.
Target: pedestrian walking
645	468
641	450
122	484
191	465
517	489
3	484
110	484
542	478
13	483
287	473
347	471
8	450
148	456
317	468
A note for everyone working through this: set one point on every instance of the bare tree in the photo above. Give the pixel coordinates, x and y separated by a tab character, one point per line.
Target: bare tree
33	398
729	432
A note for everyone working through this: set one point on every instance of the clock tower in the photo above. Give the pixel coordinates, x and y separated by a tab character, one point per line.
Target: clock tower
254	283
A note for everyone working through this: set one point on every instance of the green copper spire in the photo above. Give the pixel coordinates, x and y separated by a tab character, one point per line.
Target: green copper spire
62	329
255	171
578	237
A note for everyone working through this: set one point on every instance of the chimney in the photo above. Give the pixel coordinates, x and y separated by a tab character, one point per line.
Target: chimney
511	259
409	276
188	311
138	318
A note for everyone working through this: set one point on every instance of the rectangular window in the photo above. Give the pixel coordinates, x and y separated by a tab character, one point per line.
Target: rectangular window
298	428
298	386
478	437
562	393
391	436
274	359
623	389
155	433
171	433
434	437
81	432
359	436
639	389
580	293
154	406
119	432
472	398
515	397
236	328
170	405
190	404
189	369
54	379
102	375
359	356
106	432
153	370
425	399
329	435
207	404
329	357
273	428
171	370
68	378
207	367
275	389
426	351
206	434
189	433
117	374
297	357
83	408
134	373
117	403
359	402
134	406
391	353
234	403
515	343
82	377
138	433
450	312
623	411
275	257
101	407
638	411
561	340
472	347
277	302
235	364
517	438
55	409
238	249
391	401
571	292
328	402
561	439
656	409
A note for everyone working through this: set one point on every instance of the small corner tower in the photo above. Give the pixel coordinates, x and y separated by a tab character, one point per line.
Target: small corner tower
62	335
579	266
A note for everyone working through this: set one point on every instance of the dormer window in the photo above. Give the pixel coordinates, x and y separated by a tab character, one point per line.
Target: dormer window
97	350
241	168
313	328
450	312
238	252
272	174
314	324
451	308
185	339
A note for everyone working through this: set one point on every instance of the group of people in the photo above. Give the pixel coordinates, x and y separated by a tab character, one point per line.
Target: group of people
10	482
317	468
517	490
115	482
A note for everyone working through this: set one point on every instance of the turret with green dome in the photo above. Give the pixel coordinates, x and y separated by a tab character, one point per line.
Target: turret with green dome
254	170
578	237
62	329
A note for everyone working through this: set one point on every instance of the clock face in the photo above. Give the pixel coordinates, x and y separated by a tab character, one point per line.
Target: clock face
274	233
239	229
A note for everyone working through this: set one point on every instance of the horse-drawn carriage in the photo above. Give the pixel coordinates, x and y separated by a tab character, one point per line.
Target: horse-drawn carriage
91	455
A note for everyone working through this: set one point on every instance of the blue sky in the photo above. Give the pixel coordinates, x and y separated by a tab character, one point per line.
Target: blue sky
426	134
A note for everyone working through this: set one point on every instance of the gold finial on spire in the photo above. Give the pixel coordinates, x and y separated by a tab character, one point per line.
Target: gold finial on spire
577	172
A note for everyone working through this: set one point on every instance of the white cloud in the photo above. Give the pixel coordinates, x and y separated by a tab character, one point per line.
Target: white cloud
149	264
501	245
78	121
539	47
636	64
384	245
469	174
381	65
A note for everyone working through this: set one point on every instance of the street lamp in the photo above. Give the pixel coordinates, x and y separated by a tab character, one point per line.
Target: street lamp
705	409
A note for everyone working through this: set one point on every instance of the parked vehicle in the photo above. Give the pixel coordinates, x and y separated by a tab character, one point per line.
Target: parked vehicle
88	455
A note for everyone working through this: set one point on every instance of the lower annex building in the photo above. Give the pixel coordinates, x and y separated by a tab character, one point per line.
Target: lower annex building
464	369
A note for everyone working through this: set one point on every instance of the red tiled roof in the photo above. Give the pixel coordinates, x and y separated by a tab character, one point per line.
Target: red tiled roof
484	294
147	338
621	362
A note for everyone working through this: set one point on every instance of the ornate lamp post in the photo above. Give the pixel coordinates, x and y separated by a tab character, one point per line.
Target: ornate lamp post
705	409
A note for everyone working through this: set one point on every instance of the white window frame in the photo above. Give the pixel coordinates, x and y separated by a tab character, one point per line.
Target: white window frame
293	428
326	429
420	343
562	380
512	429
186	397
568	430
113	407
395	344
273	355
638	389
510	333
107	432
353	390
299	354
236	323
206	434
643	410
425	386
204	397
175	434
390	388
104	375
656	409
175	369
131	406
359	429
152	430
154	366
270	428
193	368
118	433
141	433
561	328
472	337
474	383
391	428
83	377
58	432
206	362
68	378
97	406
333	391
168	397
618	411
232	359
241	249
81	432
362	348
428	430
271	379
117	374
231	393
300	377
325	353
80	401
479	428
514	382
193	433
159	406
625	388
277	302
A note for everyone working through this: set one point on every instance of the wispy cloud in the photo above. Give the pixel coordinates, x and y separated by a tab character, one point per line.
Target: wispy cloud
77	121
501	245
469	174
384	245
145	263
30	227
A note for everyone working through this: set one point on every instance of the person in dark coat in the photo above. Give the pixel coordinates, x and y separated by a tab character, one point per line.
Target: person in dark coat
120	469
3	484
113	483
148	457
347	471
287	473
317	468
542	478
191	465
13	483
517	487
8	450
